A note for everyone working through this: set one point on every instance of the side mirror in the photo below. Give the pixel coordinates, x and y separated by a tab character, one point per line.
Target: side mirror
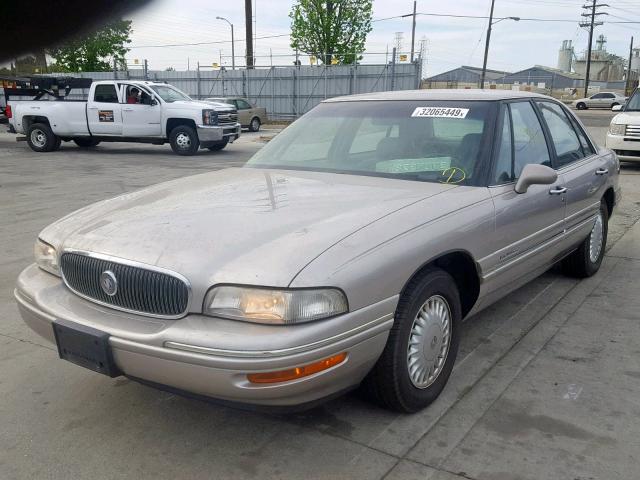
534	174
617	108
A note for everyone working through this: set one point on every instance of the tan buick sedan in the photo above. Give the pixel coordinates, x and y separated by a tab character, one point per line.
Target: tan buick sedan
346	252
249	116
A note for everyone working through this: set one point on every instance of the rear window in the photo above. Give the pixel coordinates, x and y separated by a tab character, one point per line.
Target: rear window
105	94
431	141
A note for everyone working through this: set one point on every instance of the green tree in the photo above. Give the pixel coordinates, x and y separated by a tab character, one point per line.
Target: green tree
95	52
331	28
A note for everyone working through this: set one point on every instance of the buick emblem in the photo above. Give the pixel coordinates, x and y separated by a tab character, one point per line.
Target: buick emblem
109	283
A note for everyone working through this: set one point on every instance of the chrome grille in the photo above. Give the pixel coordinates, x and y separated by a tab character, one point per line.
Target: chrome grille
632	131
227	118
140	290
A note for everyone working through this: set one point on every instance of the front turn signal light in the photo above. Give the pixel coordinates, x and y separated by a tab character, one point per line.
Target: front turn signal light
297	372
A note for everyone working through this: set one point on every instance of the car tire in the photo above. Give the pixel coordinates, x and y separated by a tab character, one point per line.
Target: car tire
614	104
586	260
218	145
41	138
397	381
254	125
86	142
581	106
184	140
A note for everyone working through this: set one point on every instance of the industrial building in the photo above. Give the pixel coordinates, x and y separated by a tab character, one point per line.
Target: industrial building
605	66
544	78
462	77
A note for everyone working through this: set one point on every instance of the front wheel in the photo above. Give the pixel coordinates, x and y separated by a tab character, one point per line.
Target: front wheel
41	138
422	345
586	260
218	145
184	140
581	106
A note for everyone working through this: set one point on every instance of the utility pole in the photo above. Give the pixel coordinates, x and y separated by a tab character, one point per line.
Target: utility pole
413	31
248	26
628	84
591	25
486	46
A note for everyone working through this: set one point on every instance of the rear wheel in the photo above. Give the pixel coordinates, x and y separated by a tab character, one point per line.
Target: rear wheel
586	260
184	140
254	126
41	138
581	106
218	145
422	345
86	142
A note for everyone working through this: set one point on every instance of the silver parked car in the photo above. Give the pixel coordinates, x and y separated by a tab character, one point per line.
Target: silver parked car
600	100
249	116
347	251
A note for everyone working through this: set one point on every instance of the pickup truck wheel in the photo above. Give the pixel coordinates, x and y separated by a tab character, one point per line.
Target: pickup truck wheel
254	126
184	140
218	145
586	260
86	142
41	139
422	345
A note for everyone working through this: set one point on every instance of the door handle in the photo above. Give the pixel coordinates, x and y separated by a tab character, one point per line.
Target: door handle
128	109
93	108
558	190
602	171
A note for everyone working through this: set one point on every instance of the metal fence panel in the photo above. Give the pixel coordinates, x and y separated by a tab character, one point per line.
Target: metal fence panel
286	92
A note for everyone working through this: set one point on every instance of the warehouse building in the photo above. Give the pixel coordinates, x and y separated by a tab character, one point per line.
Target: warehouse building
541	77
462	77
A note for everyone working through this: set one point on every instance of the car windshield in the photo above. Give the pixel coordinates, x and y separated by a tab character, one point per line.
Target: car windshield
430	141
170	94
633	105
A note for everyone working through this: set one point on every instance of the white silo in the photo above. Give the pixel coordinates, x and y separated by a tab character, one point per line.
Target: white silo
635	60
565	56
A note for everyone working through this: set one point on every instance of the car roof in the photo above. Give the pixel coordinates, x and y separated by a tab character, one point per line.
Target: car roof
435	94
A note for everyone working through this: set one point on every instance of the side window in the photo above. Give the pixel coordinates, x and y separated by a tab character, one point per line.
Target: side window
608	95
596	96
584	141
529	143
504	159
565	140
105	94
242	105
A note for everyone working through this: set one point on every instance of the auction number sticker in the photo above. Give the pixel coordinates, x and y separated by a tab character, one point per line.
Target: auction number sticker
440	112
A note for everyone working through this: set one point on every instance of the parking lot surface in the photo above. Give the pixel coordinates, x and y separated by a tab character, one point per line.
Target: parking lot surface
546	385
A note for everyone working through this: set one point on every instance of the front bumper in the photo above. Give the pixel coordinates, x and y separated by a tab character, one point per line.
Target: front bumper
201	355
626	149
217	133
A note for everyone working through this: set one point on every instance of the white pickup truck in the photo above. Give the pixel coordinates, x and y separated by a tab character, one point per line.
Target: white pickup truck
623	136
125	111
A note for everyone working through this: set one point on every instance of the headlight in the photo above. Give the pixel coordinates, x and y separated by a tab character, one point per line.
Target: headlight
617	129
272	306
209	117
46	257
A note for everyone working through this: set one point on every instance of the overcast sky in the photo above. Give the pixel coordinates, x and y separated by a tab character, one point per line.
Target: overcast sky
450	41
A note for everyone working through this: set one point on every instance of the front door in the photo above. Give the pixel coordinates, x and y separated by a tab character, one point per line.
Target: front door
139	117
104	111
528	225
245	113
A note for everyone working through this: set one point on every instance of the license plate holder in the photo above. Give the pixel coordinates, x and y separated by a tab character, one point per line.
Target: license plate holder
85	346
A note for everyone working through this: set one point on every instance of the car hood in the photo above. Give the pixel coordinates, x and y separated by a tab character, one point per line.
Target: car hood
198	104
242	225
627	118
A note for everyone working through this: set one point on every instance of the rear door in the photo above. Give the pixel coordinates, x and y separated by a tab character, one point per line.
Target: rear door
528	225
585	172
104	111
140	119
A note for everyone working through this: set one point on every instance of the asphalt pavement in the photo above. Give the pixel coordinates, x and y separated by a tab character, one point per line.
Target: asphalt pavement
546	385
